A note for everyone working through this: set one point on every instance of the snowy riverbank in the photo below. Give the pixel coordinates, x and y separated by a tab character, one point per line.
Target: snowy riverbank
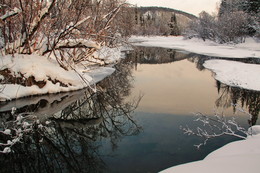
251	48
232	73
236	74
38	75
238	157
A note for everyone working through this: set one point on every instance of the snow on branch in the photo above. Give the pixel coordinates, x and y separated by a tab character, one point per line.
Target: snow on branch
15	130
73	43
38	20
77	43
216	126
110	16
69	28
11	13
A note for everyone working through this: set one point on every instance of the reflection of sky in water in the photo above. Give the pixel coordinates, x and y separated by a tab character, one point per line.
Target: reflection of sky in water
160	145
177	87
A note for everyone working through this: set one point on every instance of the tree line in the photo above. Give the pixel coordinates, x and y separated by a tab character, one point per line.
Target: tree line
235	20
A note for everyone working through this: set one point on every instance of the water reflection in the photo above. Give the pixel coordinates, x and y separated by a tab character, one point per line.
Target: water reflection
185	89
73	126
155	55
230	96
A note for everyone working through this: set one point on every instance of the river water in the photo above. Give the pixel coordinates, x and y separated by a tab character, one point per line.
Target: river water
133	123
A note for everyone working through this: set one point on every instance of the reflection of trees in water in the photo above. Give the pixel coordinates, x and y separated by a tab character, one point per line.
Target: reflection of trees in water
229	96
199	60
70	140
155	55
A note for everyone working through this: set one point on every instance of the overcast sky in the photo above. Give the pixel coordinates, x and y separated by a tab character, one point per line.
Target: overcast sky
190	6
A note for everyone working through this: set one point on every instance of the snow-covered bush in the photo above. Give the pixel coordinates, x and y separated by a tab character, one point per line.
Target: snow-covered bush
203	28
13	132
69	30
236	19
230	27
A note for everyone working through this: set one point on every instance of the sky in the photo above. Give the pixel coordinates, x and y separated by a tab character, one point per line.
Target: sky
190	6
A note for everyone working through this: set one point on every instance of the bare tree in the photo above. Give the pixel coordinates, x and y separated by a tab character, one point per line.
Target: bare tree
71	30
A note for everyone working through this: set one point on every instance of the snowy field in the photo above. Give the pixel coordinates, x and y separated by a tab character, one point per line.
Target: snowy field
232	73
236	157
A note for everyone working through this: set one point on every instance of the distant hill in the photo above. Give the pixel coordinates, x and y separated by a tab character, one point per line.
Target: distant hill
160	21
155	8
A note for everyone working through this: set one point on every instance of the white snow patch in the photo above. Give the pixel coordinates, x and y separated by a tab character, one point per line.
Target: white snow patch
236	74
7	132
81	42
255	130
109	55
7	150
251	48
44	69
238	157
99	74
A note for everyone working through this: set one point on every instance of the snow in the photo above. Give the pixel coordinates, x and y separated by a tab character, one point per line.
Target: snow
79	42
48	70
7	150
251	48
7	132
236	74
41	15
238	157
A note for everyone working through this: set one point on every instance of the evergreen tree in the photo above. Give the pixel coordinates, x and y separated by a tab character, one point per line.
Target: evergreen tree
174	29
253	6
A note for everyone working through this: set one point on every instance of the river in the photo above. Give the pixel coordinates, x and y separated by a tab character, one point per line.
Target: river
133	123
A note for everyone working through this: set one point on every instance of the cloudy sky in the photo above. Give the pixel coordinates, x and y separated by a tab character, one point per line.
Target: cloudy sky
190	6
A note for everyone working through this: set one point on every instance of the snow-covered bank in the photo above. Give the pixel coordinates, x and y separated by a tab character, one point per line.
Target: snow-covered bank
41	75
236	74
236	157
251	48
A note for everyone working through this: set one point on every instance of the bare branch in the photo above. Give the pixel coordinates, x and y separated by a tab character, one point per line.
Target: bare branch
38	20
215	126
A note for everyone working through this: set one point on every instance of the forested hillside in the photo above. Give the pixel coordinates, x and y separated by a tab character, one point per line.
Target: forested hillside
160	21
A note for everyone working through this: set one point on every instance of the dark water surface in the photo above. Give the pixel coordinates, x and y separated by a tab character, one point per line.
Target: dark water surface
132	124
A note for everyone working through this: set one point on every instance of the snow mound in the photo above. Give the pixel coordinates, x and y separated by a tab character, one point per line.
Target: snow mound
238	157
255	130
41	75
236	74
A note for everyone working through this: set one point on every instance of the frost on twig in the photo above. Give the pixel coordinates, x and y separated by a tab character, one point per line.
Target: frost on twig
14	131
216	126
